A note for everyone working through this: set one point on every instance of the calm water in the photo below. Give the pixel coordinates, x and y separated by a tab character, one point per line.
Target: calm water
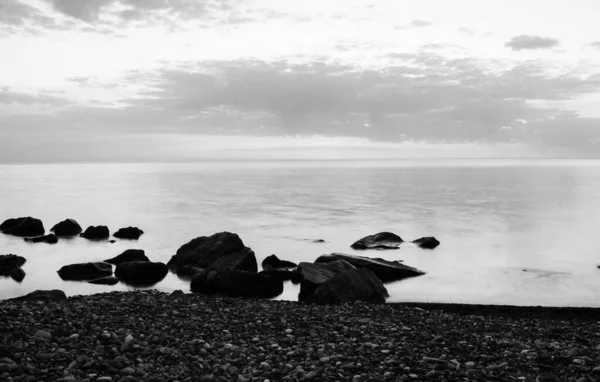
494	218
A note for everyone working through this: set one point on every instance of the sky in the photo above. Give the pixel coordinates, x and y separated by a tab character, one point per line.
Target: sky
153	80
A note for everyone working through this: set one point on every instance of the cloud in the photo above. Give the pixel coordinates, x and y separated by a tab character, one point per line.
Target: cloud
595	44
526	42
415	24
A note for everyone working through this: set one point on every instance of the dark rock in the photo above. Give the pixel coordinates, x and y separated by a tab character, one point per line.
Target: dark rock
49	239
429	242
282	274
385	270
96	233
319	241
313	275
85	271
273	262
112	241
17	274
188	271
66	228
105	281
352	285
382	240
141	273
236	283
177	293
131	233
43	295
222	250
24	226
9	262
128	255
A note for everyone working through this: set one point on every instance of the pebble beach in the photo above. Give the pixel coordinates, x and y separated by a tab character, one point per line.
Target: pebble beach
154	336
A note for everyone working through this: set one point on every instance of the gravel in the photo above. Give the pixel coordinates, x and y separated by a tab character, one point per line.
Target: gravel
153	336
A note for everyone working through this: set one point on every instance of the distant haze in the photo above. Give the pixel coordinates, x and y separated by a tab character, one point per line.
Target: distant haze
176	80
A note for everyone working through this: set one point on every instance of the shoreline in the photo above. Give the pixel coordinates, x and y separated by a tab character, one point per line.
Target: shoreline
154	336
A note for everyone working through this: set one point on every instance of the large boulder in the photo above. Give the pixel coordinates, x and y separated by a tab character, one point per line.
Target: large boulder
381	240
350	286
43	295
25	226
127	256
222	250
385	270
141	273
48	239
236	283
130	233
10	265
315	274
66	228
283	275
85	271
100	232
273	262
428	242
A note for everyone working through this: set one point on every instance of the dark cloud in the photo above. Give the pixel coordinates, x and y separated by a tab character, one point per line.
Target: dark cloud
526	42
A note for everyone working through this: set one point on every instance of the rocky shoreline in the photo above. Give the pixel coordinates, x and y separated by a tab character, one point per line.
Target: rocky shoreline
154	336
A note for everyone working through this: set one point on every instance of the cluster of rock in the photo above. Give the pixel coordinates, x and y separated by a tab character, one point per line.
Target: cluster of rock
32	229
389	240
222	264
10	266
132	267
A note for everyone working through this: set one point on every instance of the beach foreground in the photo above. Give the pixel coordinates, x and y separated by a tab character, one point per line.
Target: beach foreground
153	336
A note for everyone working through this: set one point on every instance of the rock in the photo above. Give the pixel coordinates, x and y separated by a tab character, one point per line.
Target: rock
17	274
24	226
105	281
236	283
273	262
128	255
43	295
43	334
222	250
177	293
382	240
313	275
429	242
10	262
283	275
49	239
66	228
350	286
126	345
100	232
188	271
85	271
130	233
385	270
141	273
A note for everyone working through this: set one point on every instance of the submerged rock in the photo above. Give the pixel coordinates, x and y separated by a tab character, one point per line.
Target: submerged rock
128	255
236	283
105	281
10	265
100	232
350	286
43	295
24	226
17	274
382	240
273	262
428	242
385	270
66	228
48	239
222	250
131	233
141	273
283	275
85	271
313	275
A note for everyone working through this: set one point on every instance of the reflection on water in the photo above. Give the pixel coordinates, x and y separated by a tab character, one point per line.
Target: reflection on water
493	217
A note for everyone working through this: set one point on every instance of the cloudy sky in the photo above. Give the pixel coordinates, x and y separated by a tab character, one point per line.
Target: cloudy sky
195	79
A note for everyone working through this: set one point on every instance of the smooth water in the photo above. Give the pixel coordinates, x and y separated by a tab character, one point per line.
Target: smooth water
517	232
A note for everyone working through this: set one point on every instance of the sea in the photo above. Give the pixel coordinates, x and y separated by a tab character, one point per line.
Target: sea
512	231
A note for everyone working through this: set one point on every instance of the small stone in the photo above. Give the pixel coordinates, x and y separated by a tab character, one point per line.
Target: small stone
126	345
43	334
578	361
127	371
324	359
265	365
596	370
104	379
470	364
